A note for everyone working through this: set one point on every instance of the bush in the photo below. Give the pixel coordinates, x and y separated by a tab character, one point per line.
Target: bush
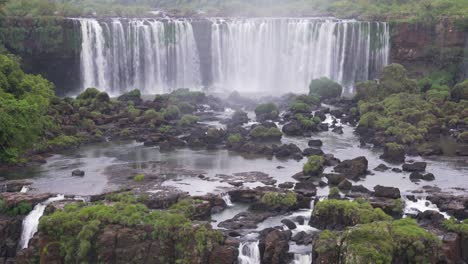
171	113
463	137
460	91
275	200
262	133
187	120
234	139
394	79
325	88
23	208
88	94
268	111
313	166
63	141
133	112
139	177
300	107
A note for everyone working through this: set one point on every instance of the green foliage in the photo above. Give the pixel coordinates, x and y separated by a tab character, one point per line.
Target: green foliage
263	133
187	207
133	112
234	139
24	101
314	165
325	88
274	199
139	177
171	113
165	129
463	137
63	141
460	91
308	123
334	192
455	226
267	111
188	120
355	212
23	208
300	107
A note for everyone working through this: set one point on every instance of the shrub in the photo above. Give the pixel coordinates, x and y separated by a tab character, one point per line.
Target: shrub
274	199
88	94
165	129
187	120
266	111
186	108
139	177
394	79
264	134
455	226
171	113
23	208
314	165
234	139
325	88
133	112
463	137
300	107
460	91
63	141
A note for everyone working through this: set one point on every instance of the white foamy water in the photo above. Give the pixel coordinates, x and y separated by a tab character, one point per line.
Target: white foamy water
421	205
249	253
31	221
227	199
302	258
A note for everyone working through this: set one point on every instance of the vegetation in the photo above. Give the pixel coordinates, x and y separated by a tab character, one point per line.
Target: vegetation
262	133
22	208
268	111
325	88
275	200
234	139
187	120
458	227
380	242
77	227
314	165
139	177
24	102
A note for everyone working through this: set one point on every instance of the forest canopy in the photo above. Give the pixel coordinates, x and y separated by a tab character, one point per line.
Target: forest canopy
426	10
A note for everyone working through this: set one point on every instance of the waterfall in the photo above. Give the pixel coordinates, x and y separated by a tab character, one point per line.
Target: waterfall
227	199
154	56
302	258
268	55
285	54
31	221
24	189
249	253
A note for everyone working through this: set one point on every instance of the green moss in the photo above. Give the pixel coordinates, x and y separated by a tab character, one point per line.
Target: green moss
455	226
171	113
314	165
325	88
133	112
165	129
274	199
63	141
267	111
300	107
234	139
460	91
23	208
263	133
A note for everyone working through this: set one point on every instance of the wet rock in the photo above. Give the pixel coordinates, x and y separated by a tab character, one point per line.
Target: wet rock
430	218
312	151
274	246
387	192
428	177
14	185
78	173
300	219
393	153
338	130
382	167
306	188
397	170
315	143
353	169
292	128
245	195
246	220
333	178
415	176
224	255
415	167
302	238
451	247
454	205
330	160
11	199
345	185
290	224
360	189
10	234
287	150
236	183
286	185
390	206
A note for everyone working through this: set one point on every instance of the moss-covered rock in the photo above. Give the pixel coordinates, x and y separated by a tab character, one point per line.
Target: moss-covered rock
394	152
314	166
267	111
325	88
261	133
460	91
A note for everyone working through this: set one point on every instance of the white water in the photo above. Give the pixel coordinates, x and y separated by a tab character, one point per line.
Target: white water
245	54
24	189
31	221
285	54
227	199
151	55
421	205
302	258
249	253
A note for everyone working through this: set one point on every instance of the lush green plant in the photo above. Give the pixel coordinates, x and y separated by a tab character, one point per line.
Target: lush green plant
325	88
23	208
188	120
460	91
63	141
300	107
234	139
314	165
267	111
274	199
334	192
171	113
263	133
139	177
165	129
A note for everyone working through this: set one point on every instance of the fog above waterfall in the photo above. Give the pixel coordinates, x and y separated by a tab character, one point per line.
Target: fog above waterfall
261	55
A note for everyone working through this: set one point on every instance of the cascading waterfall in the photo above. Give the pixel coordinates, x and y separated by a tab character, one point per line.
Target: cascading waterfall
266	55
31	221
285	54
154	56
249	253
227	199
302	258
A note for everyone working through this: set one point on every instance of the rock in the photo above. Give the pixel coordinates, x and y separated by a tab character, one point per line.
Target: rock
338	130
11	199
236	183
330	160
451	247
393	153
79	173
345	185
390	206
387	192
287	150
274	246
245	195
286	185
223	255
397	170
306	188
246	220
360	189
302	238
14	185
428	177
312	151
292	128
353	169
415	167
315	143
290	224
300	219
10	234
415	176
382	167
333	178
430	218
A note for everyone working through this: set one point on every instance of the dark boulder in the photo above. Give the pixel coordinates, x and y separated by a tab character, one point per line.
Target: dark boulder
315	143
274	246
290	224
306	188
353	169
387	192
345	185
333	178
428	177
393	153
382	167
312	151
79	173
415	167
292	128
